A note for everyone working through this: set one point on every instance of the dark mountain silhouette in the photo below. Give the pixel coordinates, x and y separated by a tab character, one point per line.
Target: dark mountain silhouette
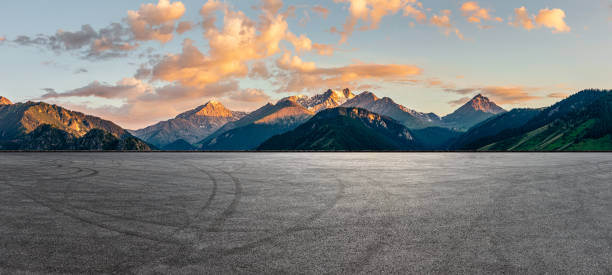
345	129
179	145
485	132
581	122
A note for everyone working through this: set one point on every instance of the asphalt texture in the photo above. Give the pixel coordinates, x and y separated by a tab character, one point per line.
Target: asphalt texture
346	213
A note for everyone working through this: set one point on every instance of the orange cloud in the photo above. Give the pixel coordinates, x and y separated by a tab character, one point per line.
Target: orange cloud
443	22
355	75
501	94
235	44
459	102
369	11
294	63
553	19
155	22
250	95
324	12
184	27
143	104
558	95
476	14
416	13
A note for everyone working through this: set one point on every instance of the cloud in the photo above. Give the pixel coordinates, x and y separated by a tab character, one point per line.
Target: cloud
501	94
476	14
323	49
558	95
250	95
184	27
259	70
522	19
233	45
303	76
324	12
553	19
443	22
142	103
112	41
459	102
415	12
155	22
369	11
150	22
80	71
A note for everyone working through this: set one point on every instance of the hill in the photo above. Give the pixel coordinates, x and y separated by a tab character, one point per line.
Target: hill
190	126
345	129
41	126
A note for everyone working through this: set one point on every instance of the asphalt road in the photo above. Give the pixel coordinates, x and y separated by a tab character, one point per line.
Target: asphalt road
305	213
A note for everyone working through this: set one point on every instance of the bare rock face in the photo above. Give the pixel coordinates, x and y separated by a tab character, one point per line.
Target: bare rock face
387	107
5	101
191	126
473	112
42	126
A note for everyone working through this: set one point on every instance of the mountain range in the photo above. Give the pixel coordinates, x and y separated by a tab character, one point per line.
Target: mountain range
332	121
345	129
41	126
191	126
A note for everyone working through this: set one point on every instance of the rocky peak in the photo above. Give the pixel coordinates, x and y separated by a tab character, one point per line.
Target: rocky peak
212	108
482	103
5	101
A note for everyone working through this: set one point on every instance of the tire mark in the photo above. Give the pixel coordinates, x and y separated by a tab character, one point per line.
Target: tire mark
218	222
384	228
50	205
300	226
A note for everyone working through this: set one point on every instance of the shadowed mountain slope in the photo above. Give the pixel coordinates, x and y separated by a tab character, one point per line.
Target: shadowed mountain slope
254	128
41	126
345	129
387	107
578	123
471	113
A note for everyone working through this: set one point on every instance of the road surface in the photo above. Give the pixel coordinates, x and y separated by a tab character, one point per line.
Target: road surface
194	213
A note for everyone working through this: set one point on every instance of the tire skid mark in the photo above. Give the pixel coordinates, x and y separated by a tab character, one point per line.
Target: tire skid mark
51	205
217	224
121	268
502	262
299	226
384	228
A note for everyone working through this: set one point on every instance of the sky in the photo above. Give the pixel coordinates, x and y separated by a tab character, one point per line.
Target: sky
138	62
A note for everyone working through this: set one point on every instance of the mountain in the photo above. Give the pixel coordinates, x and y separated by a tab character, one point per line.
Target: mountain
581	122
191	126
471	113
5	101
435	138
485	132
41	126
179	145
345	129
251	130
329	99
387	107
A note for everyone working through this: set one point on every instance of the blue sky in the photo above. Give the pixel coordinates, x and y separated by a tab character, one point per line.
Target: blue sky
426	65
